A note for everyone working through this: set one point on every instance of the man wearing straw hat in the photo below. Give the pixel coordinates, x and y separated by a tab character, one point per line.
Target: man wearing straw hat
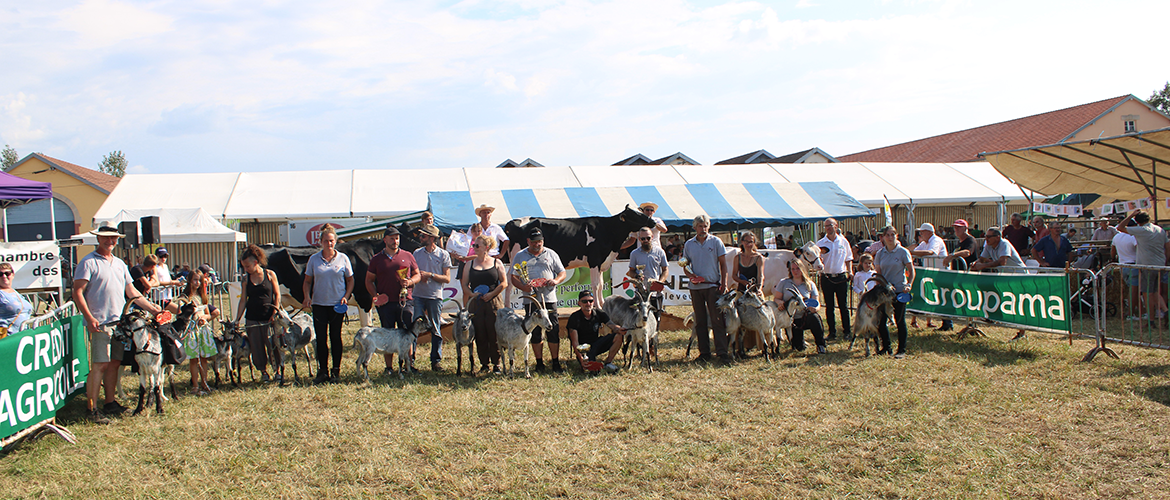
649	208
484	212
101	285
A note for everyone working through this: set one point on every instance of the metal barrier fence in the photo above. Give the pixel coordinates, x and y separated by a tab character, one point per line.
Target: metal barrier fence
1123	312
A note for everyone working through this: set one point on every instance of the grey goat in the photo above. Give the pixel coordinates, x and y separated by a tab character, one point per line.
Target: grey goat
371	340
513	332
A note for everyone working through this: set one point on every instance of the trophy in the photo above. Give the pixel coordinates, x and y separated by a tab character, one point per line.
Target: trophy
686	265
402	274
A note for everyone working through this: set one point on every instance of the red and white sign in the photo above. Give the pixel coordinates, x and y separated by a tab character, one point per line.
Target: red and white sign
308	232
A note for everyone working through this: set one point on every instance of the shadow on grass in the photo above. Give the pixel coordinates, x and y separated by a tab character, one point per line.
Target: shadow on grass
992	351
1158	394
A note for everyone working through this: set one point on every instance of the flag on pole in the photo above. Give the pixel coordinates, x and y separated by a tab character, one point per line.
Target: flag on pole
887	212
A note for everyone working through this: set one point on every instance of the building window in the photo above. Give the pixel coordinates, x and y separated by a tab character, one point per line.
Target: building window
1130	126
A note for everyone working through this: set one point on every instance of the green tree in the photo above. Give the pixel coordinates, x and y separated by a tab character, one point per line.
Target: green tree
113	164
1161	99
8	157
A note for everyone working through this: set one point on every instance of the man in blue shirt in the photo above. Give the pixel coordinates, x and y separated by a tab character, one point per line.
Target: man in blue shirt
1052	250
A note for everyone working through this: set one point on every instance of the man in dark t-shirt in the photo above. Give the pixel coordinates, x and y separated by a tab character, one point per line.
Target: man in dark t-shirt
584	327
1018	234
965	249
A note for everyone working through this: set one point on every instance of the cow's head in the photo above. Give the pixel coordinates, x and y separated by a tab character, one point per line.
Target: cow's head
811	255
633	219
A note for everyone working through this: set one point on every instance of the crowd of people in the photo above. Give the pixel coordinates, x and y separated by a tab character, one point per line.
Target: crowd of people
408	286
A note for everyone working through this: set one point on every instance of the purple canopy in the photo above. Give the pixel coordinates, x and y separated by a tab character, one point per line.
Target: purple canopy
16	191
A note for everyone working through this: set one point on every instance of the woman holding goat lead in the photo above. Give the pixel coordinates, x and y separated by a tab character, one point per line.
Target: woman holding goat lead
894	263
748	271
797	287
328	285
484	280
259	301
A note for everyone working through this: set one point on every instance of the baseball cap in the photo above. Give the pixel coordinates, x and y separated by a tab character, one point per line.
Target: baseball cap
926	226
535	234
161	251
390	230
960	222
584	293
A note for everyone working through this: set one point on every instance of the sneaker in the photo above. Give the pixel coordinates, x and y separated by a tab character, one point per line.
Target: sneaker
556	366
497	371
726	359
387	372
264	378
821	349
832	336
900	355
612	368
539	366
703	358
97	418
323	377
114	408
335	375
436	367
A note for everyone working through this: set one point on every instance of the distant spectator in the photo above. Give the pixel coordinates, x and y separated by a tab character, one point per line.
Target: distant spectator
1052	249
14	308
1039	227
144	274
1104	231
1152	248
1017	234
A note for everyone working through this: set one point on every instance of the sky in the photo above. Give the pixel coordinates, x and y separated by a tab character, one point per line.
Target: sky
231	86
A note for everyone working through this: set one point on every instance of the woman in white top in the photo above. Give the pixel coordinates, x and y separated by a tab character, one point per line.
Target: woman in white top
328	285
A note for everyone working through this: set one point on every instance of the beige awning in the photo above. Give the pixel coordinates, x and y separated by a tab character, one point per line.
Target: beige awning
1126	167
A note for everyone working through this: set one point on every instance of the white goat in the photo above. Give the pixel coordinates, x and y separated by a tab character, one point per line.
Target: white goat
755	316
234	343
784	317
294	333
147	342
514	332
371	340
645	342
464	333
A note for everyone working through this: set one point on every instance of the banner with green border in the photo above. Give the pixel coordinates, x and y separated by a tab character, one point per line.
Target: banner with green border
1029	301
39	370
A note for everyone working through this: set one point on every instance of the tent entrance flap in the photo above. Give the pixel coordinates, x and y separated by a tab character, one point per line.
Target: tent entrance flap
742	205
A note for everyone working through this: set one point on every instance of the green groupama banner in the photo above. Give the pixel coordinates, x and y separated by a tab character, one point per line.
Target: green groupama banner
39	369
1036	301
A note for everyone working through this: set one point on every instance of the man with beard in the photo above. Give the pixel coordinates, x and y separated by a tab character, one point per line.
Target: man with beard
654	270
392	272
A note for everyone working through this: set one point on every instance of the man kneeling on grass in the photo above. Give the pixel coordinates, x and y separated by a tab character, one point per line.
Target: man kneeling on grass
584	327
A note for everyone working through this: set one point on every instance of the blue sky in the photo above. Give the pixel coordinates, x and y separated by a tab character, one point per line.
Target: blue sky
190	86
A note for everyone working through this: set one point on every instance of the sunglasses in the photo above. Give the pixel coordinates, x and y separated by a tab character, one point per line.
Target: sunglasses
6	273
586	301
646	238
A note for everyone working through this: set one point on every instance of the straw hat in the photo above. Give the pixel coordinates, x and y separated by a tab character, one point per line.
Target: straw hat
484	207
648	204
106	230
429	230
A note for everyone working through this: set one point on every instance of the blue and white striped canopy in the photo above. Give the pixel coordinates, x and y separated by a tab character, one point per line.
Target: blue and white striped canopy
744	204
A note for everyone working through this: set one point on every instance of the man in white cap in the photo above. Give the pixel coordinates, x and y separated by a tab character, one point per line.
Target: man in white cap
484	212
930	245
649	208
101	285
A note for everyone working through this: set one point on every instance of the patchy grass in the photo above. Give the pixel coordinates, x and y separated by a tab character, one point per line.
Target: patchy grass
976	418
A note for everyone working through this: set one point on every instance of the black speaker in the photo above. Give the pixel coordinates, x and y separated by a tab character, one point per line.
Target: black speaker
150	235
130	229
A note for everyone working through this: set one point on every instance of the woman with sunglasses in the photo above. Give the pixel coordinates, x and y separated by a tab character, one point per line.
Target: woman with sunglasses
749	264
483	282
14	308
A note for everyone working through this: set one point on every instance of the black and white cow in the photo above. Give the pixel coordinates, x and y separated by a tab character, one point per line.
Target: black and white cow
591	242
289	263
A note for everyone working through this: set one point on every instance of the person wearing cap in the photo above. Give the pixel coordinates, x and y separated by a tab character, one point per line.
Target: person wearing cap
896	265
705	269
208	271
585	337
930	245
328	283
383	278
837	256
1052	249
434	269
162	274
484	212
543	263
101	286
965	254
997	252
649	208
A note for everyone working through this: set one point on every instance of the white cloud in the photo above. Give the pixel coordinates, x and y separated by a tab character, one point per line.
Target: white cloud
137	169
106	22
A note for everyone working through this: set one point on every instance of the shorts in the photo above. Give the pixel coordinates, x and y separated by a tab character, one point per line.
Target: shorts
538	334
1129	276
103	349
601	346
1149	281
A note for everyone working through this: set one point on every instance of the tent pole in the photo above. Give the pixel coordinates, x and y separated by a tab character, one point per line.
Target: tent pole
52	221
5	215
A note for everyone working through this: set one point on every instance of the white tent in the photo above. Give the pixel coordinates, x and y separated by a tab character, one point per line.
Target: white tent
176	225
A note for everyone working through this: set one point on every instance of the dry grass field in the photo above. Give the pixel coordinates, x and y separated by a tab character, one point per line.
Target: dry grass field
972	418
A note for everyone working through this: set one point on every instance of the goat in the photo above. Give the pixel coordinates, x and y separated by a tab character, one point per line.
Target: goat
293	333
234	344
872	311
756	316
464	333
514	332
726	304
371	340
645	341
784	317
137	326
631	314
